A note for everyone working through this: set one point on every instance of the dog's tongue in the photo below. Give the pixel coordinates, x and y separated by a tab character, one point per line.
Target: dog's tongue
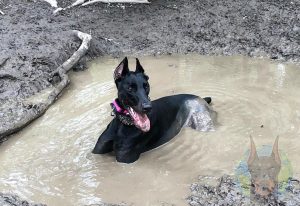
141	121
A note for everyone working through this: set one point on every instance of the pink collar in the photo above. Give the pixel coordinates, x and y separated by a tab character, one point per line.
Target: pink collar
119	109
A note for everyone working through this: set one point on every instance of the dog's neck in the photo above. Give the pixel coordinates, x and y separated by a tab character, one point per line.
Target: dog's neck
121	113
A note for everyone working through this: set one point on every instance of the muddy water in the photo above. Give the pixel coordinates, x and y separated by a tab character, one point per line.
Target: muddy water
51	162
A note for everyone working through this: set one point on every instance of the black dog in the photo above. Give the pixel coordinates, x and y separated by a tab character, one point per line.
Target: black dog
141	125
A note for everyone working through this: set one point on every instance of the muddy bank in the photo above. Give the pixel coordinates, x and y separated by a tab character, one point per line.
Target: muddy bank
14	200
34	42
226	191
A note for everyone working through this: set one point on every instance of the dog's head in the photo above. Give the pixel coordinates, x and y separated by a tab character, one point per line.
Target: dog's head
133	93
264	170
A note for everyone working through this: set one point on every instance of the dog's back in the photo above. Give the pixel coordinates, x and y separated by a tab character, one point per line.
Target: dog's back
171	113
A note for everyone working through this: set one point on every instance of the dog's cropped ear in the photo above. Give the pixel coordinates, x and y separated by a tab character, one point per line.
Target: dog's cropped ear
121	70
253	154
275	152
139	67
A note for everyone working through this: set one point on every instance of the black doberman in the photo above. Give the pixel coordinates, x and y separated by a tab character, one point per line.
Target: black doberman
141	124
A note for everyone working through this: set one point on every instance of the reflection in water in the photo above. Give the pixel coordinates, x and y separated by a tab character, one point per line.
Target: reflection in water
280	77
51	162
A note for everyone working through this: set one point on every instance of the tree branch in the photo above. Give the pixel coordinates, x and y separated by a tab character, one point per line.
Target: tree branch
116	1
88	2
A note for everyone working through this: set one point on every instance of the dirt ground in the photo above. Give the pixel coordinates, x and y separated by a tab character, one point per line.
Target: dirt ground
34	42
14	200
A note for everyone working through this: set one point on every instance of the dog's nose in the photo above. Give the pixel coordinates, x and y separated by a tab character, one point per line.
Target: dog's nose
146	107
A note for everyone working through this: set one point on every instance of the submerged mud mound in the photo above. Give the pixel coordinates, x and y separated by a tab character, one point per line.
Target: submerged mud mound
226	191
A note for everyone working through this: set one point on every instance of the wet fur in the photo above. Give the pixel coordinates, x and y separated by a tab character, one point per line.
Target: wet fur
167	116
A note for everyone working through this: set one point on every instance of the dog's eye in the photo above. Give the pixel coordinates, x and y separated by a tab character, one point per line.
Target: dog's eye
131	87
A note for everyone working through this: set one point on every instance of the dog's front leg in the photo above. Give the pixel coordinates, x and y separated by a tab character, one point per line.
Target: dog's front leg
127	156
105	141
103	147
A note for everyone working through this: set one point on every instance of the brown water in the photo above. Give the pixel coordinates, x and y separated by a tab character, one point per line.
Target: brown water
51	162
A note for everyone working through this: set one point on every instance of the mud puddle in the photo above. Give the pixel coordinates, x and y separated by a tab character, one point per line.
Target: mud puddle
51	162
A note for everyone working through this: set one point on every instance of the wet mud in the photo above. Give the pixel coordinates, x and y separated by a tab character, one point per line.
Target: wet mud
14	200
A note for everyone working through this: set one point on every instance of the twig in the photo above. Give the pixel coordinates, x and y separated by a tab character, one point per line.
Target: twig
116	1
53	3
78	2
85	2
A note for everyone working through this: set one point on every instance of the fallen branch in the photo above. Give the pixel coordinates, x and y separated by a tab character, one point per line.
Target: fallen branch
41	107
53	3
78	2
67	65
116	1
88	2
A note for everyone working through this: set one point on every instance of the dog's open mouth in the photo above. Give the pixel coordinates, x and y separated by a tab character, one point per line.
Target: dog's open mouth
141	121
